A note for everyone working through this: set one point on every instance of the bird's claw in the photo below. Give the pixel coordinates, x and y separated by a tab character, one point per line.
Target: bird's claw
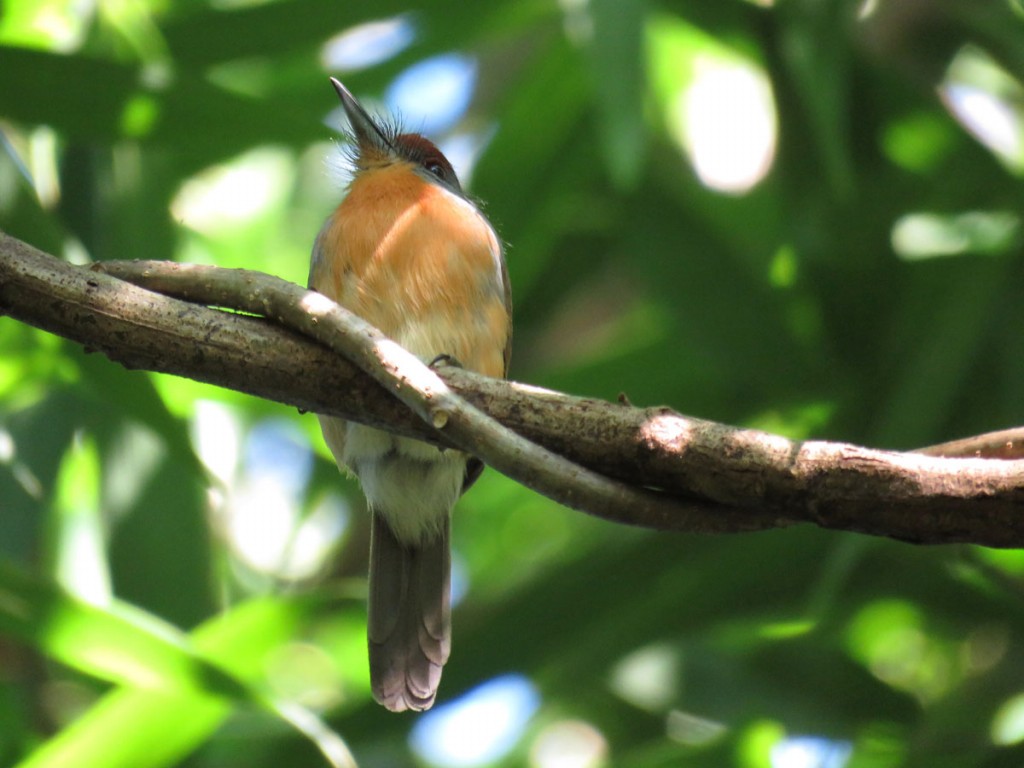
444	359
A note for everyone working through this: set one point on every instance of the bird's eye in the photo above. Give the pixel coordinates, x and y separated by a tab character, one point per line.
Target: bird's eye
435	168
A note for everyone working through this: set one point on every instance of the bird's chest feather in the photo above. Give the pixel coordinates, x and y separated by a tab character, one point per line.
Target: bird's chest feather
421	264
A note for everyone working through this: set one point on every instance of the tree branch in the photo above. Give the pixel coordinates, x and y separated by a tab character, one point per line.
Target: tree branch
731	479
419	387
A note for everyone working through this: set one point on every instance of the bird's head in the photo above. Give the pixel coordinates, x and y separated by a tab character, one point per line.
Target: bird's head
377	145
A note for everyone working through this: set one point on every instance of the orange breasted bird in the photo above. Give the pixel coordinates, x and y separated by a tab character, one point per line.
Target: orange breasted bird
407	251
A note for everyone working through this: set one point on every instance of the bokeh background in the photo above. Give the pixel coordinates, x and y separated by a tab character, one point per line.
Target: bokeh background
799	215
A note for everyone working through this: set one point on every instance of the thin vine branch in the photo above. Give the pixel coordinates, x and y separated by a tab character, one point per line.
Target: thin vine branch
732	479
421	389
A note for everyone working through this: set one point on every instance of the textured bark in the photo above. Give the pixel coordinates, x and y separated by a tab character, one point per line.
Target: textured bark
421	389
717	478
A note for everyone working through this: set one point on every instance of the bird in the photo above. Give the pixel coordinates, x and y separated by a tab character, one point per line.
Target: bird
409	252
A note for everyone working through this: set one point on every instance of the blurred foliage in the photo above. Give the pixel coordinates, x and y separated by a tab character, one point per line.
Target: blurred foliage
802	216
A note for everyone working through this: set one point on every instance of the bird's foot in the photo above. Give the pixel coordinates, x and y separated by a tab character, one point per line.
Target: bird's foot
444	359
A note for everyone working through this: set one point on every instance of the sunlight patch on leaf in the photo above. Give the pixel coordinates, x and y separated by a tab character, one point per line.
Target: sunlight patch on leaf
786	630
918	142
131	462
42	144
797	422
136	27
306	674
919	236
57	25
985	647
1008	723
20	471
252	77
217	436
78	541
230	195
890	639
648	677
569	744
1007	561
32	154
987	100
726	122
140	115
756	742
693	730
782	271
717	104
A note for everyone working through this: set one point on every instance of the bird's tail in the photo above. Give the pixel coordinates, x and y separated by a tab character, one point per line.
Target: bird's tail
409	623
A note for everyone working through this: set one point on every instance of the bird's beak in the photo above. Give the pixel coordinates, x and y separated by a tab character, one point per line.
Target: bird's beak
365	130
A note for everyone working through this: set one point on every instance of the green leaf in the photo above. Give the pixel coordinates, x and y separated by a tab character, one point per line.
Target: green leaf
617	71
167	677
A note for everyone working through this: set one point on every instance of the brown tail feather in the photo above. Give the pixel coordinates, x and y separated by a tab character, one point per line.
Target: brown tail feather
409	629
